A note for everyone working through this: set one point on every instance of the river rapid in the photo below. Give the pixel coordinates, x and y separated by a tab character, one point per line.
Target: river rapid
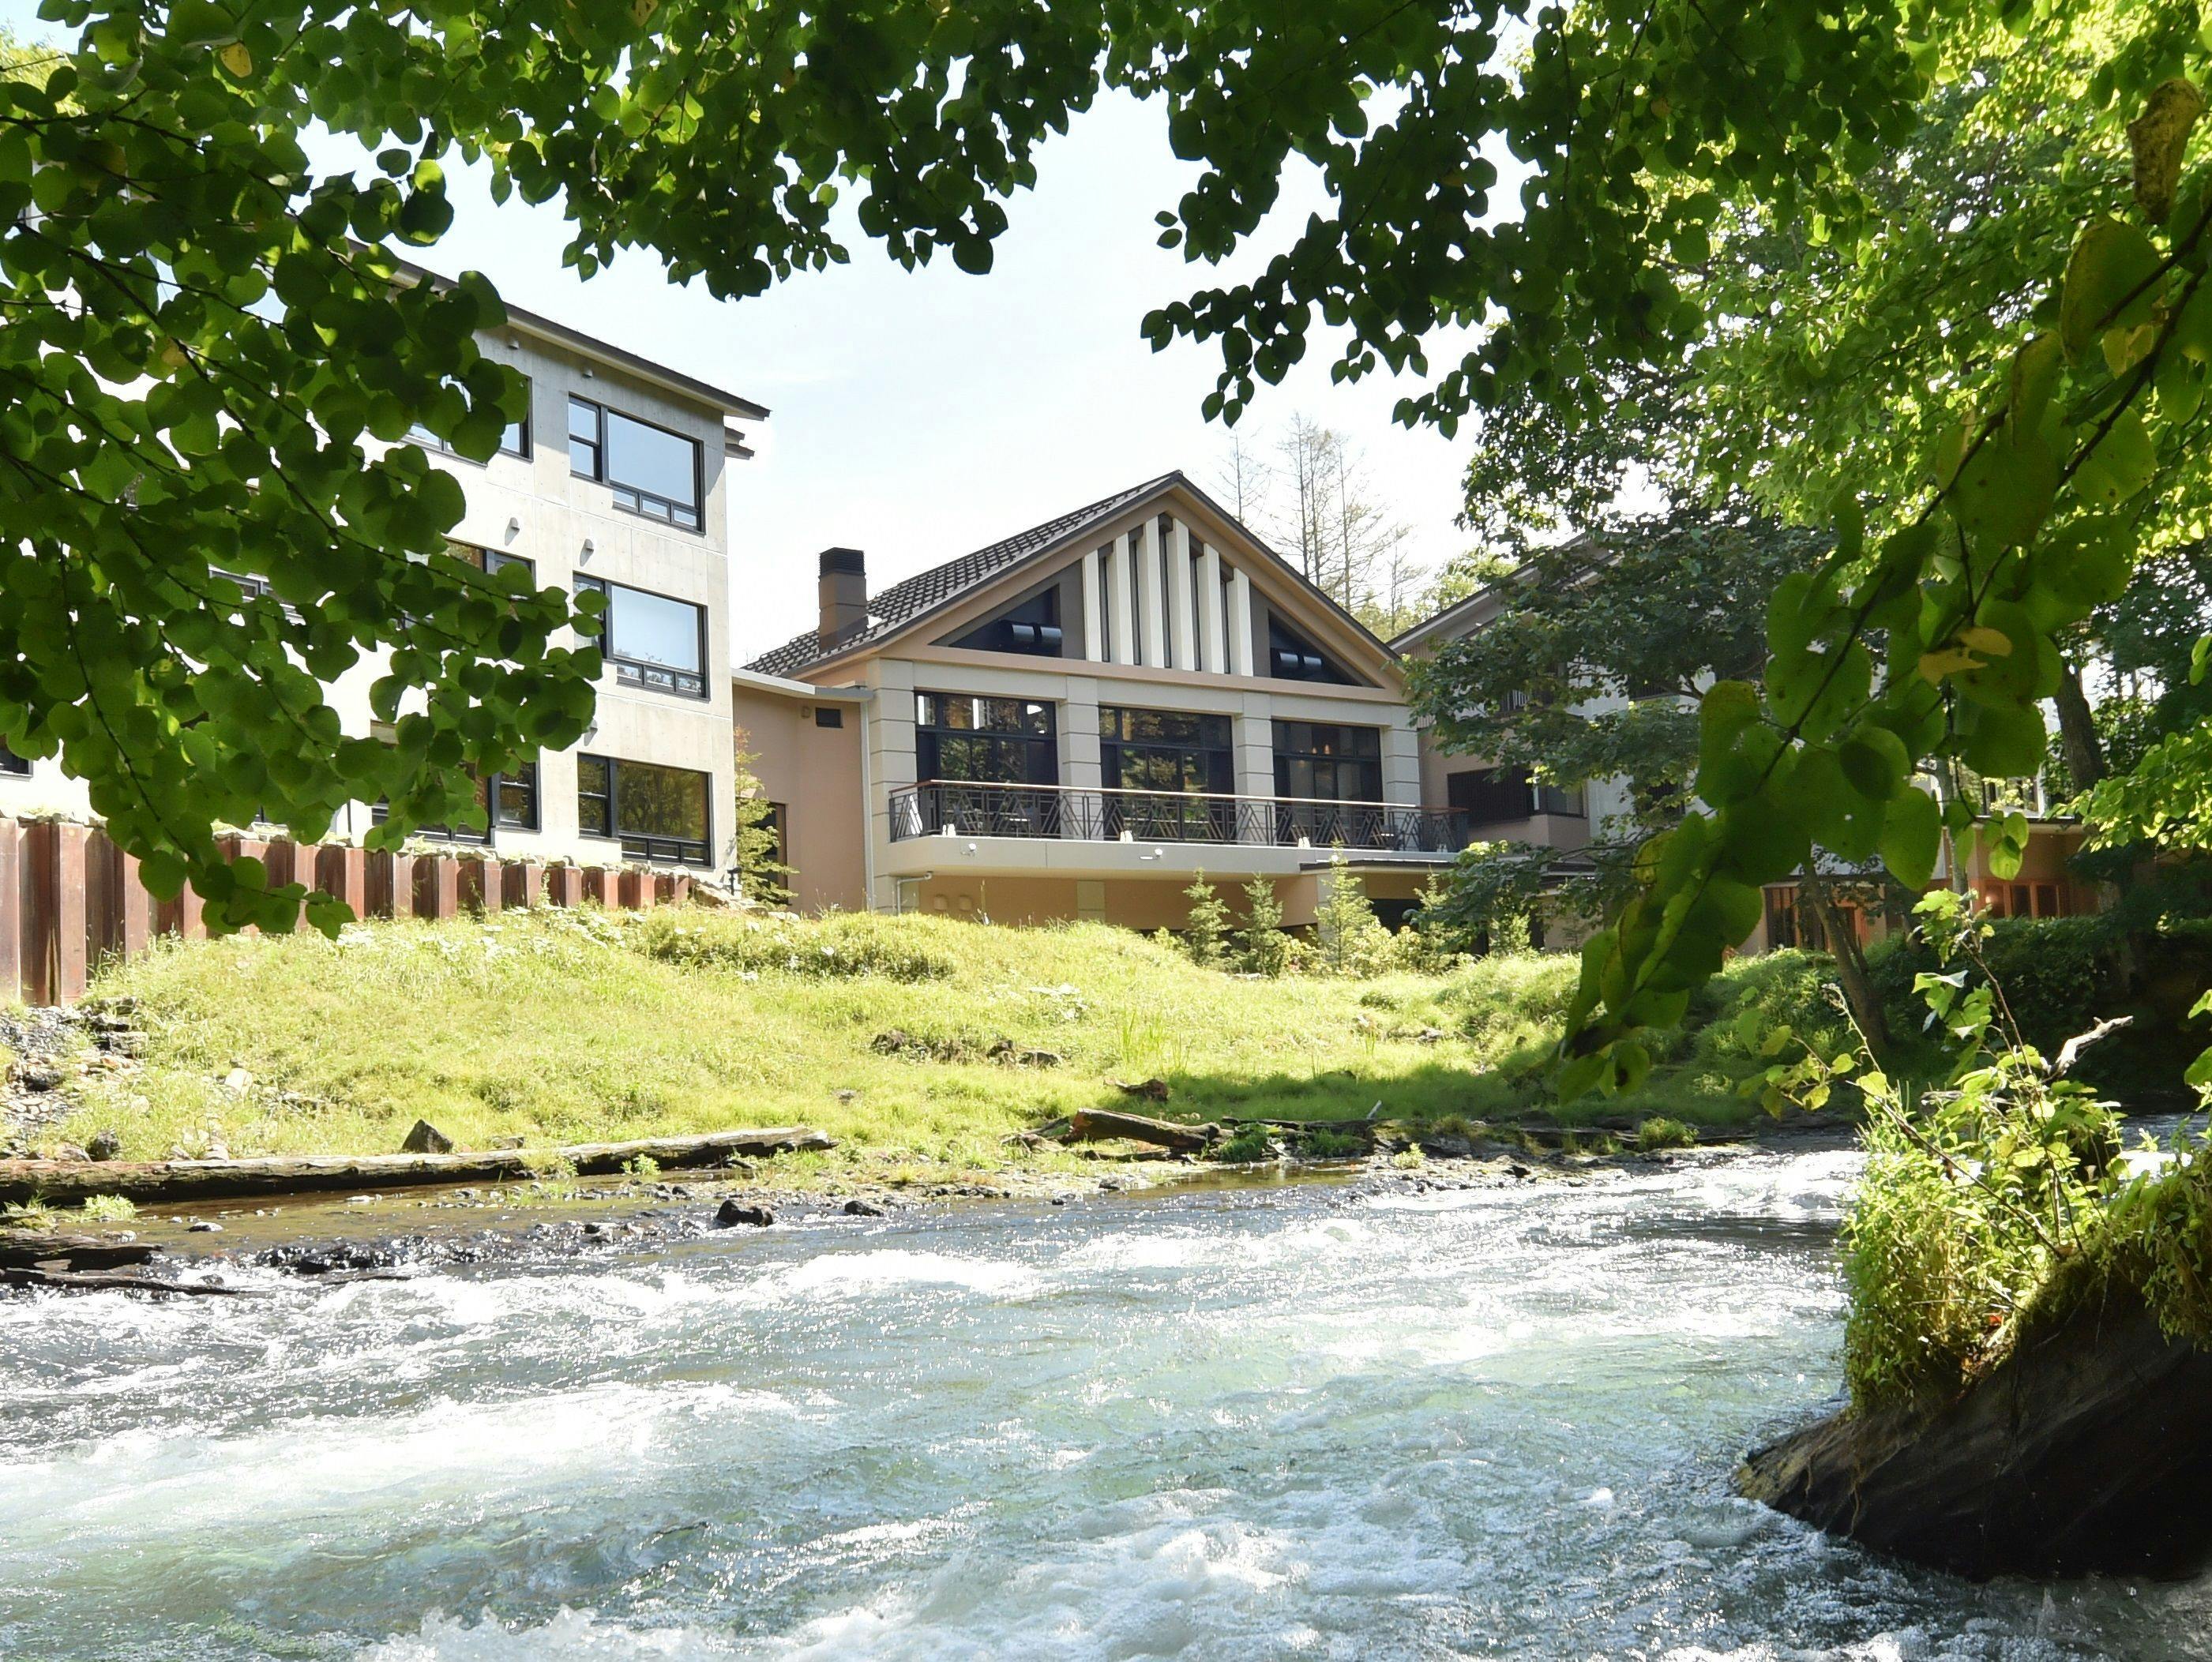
1288	1422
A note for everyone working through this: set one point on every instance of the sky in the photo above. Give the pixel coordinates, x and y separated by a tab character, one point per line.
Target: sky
918	416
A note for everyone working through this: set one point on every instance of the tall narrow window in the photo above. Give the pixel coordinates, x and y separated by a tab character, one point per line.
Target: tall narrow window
651	641
649	469
659	813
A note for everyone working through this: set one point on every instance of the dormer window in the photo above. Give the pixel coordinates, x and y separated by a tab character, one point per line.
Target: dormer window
1032	628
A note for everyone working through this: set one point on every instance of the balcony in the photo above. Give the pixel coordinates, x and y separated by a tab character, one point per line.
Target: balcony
942	807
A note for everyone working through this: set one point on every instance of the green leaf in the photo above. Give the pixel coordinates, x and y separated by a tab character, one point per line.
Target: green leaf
2120	465
2107	285
2004	492
1874	761
1912	835
2000	741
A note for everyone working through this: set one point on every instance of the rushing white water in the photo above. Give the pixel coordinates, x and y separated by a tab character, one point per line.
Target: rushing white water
1281	1422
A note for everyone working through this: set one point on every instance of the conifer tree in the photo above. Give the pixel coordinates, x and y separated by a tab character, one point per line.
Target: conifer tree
1206	932
1261	947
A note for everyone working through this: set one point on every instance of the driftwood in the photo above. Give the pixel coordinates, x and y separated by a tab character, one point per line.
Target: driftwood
29	1248
179	1180
120	1280
1100	1125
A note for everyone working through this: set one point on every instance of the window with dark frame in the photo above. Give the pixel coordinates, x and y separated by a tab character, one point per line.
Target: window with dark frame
490	560
1032	628
1326	762
650	640
513	440
1496	795
1291	657
10	763
1166	751
985	741
659	813
509	802
828	715
650	470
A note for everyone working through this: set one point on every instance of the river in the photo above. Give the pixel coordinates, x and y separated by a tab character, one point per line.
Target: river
1294	1421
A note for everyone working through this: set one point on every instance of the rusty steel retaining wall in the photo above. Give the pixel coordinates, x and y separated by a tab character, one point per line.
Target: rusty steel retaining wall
71	898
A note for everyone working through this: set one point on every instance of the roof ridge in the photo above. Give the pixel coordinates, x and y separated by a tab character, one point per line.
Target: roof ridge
916	597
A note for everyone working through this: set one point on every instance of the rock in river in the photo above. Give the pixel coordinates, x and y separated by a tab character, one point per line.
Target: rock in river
735	1212
2088	1451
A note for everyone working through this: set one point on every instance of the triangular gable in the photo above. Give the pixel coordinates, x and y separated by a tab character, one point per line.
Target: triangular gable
1169	581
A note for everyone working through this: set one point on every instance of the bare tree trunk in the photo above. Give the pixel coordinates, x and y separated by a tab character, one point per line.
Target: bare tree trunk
1851	971
2077	731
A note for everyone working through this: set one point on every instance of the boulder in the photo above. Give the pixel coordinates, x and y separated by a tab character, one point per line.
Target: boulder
735	1212
104	1146
2087	1450
425	1138
857	1208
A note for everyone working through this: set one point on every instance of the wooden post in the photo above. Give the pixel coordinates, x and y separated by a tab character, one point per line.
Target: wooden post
54	912
564	885
478	882
103	899
182	917
236	848
11	912
342	874
636	890
137	922
437	887
598	884
526	884
680	888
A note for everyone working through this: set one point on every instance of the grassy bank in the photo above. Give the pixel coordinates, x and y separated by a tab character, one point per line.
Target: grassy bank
894	1035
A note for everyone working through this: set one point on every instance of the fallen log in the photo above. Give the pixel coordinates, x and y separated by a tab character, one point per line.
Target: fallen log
179	1180
1103	1125
2088	1451
27	1248
122	1280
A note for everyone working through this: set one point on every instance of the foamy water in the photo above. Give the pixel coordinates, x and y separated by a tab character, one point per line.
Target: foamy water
1272	1423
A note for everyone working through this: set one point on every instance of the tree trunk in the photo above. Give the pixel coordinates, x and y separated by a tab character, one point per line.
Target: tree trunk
1851	971
2077	731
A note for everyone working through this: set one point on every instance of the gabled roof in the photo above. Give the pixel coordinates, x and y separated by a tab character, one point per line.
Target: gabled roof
917	597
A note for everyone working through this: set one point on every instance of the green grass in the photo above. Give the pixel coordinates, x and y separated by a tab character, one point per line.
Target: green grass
579	1026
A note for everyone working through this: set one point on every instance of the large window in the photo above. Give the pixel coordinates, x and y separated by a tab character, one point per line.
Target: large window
659	813
514	441
1004	741
1032	628
509	802
650	470
1496	796
651	641
1321	761
1165	750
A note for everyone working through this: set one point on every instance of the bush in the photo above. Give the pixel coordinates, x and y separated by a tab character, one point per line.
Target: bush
1660	1133
842	945
1246	1145
2052	970
1322	1144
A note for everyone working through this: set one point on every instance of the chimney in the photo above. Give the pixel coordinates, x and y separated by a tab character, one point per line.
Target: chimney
844	594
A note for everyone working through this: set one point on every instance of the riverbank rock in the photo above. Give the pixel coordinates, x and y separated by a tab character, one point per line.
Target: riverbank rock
2088	1452
424	1138
735	1214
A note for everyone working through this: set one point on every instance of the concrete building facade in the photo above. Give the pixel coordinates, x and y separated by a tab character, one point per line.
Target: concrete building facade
619	479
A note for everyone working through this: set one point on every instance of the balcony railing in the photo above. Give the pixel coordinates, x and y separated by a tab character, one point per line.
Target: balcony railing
941	807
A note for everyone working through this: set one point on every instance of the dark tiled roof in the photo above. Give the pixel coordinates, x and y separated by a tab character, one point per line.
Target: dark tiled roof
903	603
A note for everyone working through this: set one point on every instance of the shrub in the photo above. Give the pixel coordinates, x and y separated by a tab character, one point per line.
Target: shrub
1350	939
1660	1133
1322	1144
1246	1145
1205	931
109	1209
1263	948
2052	970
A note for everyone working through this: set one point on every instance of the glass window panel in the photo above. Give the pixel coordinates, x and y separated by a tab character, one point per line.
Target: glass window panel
652	801
594	802
652	462
656	629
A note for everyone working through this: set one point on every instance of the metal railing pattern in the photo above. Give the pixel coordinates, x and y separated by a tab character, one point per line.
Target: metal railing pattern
938	807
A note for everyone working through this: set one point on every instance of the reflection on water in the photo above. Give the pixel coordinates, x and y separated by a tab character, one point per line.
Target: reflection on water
1288	1423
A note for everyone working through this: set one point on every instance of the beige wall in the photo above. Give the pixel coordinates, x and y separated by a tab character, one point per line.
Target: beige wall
1127	902
814	772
